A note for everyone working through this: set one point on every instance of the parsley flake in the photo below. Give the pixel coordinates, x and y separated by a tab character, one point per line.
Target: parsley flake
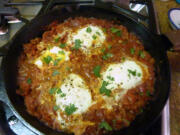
109	46
107	55
141	54
70	109
55	73
57	39
63	95
105	125
52	91
104	29
55	108
89	30
96	70
59	91
56	61
132	50
94	37
110	78
29	81
104	90
62	45
103	50
132	72
77	44
116	31
98	33
47	59
148	93
61	52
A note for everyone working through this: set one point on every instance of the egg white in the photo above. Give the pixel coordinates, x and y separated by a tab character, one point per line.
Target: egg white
77	93
86	38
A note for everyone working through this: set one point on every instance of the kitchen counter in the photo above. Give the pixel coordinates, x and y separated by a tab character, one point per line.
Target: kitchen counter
174	58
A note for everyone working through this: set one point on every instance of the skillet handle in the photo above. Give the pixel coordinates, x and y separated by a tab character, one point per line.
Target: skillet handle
4	50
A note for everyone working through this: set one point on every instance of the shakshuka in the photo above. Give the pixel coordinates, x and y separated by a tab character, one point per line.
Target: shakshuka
85	76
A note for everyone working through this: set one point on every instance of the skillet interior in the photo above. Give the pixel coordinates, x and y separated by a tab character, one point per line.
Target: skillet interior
35	29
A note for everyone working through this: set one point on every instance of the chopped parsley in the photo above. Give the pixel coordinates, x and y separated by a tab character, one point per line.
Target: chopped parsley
104	90
52	91
68	68
47	59
77	44
126	121
110	78
139	74
89	30
57	39
123	58
104	29
116	31
55	108
107	55
61	52
94	37
141	54
109	46
98	33
148	93
63	95
59	91
96	70
105	125
103	50
56	72
132	72
132	50
70	109
62	45
29	81
56	61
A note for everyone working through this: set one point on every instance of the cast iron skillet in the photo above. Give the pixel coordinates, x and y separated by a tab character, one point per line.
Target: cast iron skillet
155	45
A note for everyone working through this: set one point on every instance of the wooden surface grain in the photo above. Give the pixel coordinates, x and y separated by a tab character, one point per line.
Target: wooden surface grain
174	59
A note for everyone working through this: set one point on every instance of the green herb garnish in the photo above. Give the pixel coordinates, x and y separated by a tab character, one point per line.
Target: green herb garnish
104	29
96	70
98	33
57	39
104	90
132	50
116	31
52	91
47	59
59	91
89	30
62	45
148	93
103	50
56	61
109	46
61	52
141	54
132	72
70	109
105	125
110	78
29	81
107	55
94	37
77	44
55	73
63	95
55	108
